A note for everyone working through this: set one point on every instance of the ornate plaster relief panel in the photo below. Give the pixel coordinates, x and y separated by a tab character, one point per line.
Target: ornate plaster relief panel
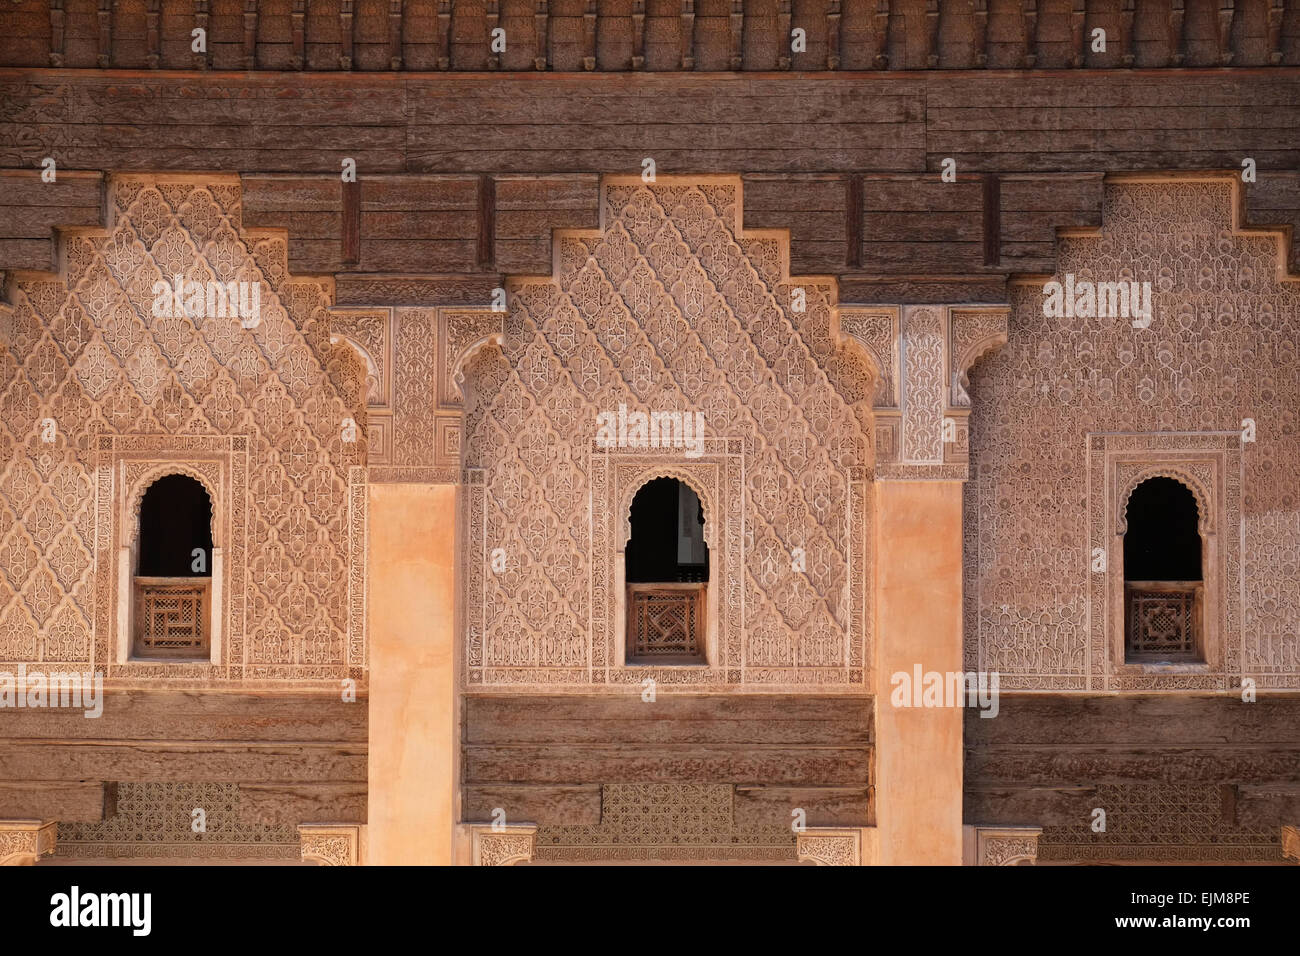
415	358
1209	464
922	356
1222	347
670	306
257	414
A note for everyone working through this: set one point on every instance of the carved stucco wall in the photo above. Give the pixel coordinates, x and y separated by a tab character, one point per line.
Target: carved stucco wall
670	306
1224	345
257	413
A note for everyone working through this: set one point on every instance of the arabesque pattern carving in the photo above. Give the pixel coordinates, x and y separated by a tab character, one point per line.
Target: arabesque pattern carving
1222	347
662	821
672	306
128	391
157	820
1163	822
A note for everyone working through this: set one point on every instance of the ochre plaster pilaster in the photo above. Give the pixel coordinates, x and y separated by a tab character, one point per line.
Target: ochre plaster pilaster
922	355
412	682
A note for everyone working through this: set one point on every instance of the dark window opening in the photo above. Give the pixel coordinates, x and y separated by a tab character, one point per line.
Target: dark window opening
667	576
1163	587
174	570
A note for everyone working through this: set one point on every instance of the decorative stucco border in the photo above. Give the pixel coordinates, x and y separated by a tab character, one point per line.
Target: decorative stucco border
1000	846
24	842
500	845
333	844
836	846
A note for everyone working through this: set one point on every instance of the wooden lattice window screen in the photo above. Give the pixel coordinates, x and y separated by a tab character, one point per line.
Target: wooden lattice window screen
1163	620
665	623
171	617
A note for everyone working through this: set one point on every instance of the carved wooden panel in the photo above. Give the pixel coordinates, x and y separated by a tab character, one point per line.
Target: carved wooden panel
661	821
1160	823
156	820
672	306
120	392
1221	348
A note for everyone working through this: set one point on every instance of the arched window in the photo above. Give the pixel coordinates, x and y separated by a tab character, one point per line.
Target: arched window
173	570
667	575
1163	577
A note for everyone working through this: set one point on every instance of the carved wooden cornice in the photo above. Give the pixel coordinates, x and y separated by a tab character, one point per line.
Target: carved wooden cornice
747	40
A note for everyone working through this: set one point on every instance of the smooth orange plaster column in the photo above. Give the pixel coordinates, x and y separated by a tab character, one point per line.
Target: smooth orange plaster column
412	675
918	621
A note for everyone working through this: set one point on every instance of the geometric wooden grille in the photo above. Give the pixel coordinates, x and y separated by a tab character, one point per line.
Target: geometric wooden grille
665	623
171	617
1161	619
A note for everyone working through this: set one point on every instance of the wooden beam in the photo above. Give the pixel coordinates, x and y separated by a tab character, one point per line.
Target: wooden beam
1078	18
345	34
1276	14
299	20
153	35
250	34
992	206
56	33
833	35
783	34
880	36
688	34
1227	10
589	36
853	221
738	32
1029	24
485	256
351	232
638	34
1177	41
104	38
1127	48
932	16
541	27
395	34
981	32
444	34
